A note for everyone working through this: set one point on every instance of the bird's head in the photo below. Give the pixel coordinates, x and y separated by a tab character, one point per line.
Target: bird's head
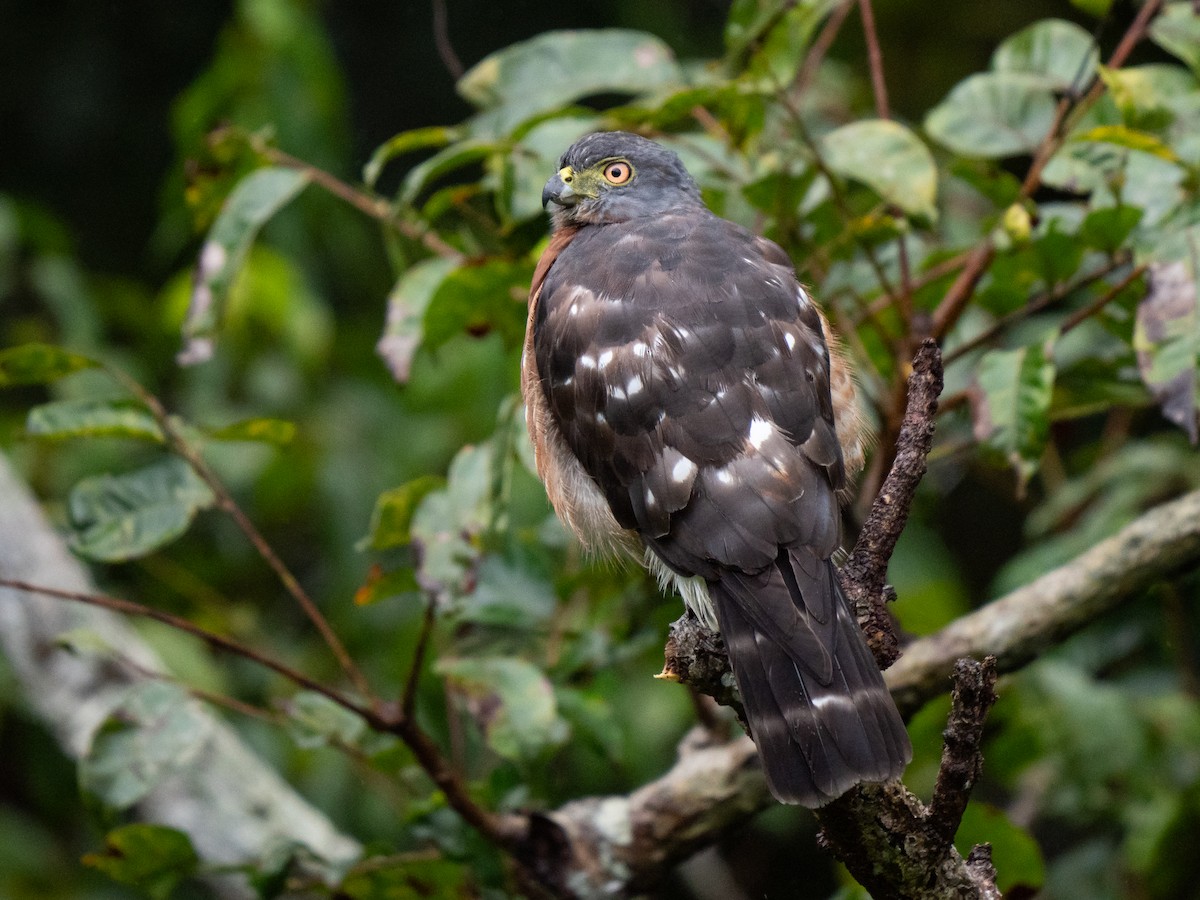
614	176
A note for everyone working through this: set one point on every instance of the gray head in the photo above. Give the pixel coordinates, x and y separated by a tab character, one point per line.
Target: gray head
614	176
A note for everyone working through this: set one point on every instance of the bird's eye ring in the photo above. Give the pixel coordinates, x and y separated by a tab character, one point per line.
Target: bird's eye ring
618	172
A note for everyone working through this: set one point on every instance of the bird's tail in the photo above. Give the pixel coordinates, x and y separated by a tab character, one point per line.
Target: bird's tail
816	703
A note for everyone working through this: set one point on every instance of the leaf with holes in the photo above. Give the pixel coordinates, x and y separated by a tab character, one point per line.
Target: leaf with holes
120	517
1011	405
1167	340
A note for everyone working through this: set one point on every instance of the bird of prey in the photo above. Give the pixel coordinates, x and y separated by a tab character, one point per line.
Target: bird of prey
687	405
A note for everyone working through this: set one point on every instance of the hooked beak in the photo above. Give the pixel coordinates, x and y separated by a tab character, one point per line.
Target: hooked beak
558	189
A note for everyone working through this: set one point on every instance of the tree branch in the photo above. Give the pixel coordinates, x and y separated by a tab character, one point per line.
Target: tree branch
712	788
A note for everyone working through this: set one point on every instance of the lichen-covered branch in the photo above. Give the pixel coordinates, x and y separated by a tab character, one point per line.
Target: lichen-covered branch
1019	626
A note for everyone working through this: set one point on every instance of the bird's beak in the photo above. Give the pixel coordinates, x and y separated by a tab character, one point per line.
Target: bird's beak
558	189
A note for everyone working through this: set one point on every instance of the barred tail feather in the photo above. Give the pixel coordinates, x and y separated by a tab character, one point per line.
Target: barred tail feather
816	702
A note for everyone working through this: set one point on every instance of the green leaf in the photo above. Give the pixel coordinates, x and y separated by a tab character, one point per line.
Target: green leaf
456	156
477	300
511	701
120	517
994	114
1127	137
152	858
508	595
1177	30
1106	229
408	878
1061	53
1012	408
406	306
1016	854
782	48
40	364
257	197
1148	96
407	142
448	521
556	68
92	418
1097	8
316	721
264	431
888	158
391	521
1167	340
154	733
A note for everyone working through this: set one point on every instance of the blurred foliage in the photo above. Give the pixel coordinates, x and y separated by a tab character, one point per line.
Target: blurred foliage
1076	372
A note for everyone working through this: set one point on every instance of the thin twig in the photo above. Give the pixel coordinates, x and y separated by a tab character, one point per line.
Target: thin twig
225	502
409	697
1086	312
441	40
220	642
368	203
874	59
820	47
1042	302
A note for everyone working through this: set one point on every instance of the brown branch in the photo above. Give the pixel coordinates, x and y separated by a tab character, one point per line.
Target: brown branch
409	698
962	763
865	572
874	59
180	445
366	202
1044	301
712	788
217	641
820	47
1016	628
1086	312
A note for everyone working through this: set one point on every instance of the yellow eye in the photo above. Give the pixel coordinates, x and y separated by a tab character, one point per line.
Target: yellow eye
618	172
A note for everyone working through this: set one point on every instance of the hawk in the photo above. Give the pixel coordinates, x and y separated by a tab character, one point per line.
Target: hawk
685	408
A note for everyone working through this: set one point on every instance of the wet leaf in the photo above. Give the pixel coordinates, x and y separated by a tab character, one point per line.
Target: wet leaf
888	158
510	700
120	517
257	197
1167	341
91	418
